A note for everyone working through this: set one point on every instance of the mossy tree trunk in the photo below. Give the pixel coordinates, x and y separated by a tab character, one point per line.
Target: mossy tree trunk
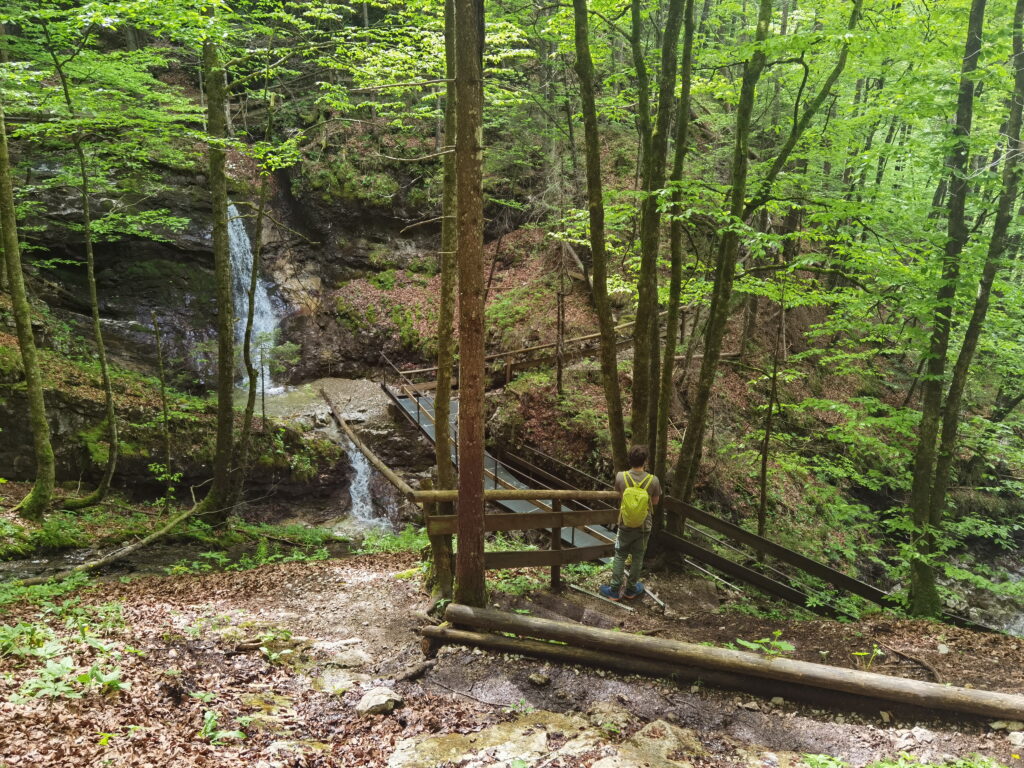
664	399
33	506
215	505
595	207
110	414
927	488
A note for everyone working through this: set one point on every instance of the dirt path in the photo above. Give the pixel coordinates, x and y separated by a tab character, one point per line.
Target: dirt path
285	652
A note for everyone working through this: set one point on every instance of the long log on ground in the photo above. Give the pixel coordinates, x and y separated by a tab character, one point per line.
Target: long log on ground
371	457
922	694
632	665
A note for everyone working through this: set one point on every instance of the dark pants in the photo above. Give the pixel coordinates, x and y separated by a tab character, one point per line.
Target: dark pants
629	542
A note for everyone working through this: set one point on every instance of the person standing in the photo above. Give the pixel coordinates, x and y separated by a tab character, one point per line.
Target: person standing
638	492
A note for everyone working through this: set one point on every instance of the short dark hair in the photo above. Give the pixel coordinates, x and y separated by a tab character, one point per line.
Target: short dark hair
638	455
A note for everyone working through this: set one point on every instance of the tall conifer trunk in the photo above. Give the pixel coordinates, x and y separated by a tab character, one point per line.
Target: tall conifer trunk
469	40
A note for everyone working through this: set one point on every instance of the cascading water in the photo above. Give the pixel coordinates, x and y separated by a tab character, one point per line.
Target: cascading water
264	320
359	488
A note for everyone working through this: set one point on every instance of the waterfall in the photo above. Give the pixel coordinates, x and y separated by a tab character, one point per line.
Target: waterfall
359	488
264	319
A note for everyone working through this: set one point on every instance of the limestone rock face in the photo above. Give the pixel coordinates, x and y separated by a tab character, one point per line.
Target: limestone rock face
545	738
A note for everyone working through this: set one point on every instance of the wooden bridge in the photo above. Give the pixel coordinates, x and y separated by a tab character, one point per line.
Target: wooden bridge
575	509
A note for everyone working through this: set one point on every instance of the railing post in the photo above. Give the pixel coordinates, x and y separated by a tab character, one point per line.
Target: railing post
556	545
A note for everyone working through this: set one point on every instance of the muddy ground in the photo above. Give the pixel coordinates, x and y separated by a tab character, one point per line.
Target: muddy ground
285	652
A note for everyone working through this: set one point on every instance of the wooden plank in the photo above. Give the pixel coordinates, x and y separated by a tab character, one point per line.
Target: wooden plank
616	603
527	521
759	580
546	557
1005	706
371	457
768	547
527	494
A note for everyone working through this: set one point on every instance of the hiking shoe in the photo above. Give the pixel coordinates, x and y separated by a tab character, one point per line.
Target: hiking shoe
609	592
637	591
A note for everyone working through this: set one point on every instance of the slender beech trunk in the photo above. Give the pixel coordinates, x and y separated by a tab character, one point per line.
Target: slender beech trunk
33	506
469	40
165	431
441	545
110	414
728	248
595	207
725	265
646	357
244	442
676	249
215	505
930	491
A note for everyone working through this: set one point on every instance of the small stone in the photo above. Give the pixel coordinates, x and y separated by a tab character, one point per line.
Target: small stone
1014	725
778	701
694	689
886	716
538	679
998	725
1016	738
752	705
378	701
943	648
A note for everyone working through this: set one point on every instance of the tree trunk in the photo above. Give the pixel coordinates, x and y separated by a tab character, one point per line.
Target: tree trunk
728	248
676	250
646	357
469	25
725	267
215	506
94	303
924	596
595	207
33	506
446	311
675	652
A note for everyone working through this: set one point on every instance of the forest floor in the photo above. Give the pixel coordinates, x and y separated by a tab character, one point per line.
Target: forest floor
284	652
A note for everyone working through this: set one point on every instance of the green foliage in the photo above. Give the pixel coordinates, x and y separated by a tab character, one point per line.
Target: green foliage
409	539
213	733
769	646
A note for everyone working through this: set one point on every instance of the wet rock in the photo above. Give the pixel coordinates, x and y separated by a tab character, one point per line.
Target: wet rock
337	681
378	701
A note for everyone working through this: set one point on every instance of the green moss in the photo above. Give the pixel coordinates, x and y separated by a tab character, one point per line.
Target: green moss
10	363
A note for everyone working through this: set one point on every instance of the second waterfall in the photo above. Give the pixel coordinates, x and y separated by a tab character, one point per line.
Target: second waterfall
265	320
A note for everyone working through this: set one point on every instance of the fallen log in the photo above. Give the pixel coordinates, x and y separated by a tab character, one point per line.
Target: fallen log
632	665
804	673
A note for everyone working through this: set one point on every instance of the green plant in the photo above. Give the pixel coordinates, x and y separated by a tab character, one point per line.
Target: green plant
53	681
769	646
521	707
212	732
866	659
409	539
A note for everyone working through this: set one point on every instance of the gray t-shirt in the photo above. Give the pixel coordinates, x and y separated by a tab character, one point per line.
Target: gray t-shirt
653	490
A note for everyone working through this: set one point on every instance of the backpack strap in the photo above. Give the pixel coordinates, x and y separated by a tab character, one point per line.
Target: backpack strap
646	482
628	479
